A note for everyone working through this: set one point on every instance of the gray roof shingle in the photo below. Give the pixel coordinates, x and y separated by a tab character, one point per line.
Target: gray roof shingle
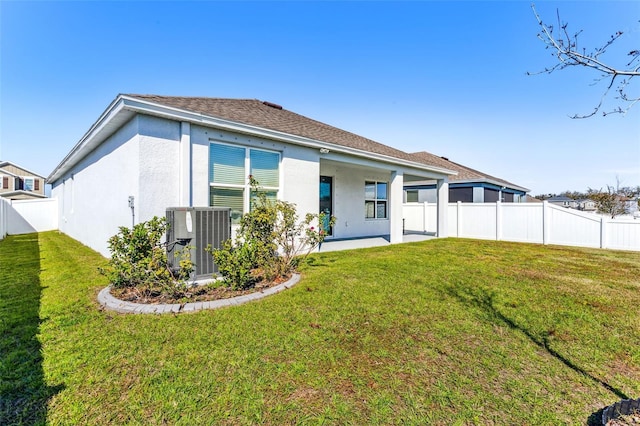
270	116
464	173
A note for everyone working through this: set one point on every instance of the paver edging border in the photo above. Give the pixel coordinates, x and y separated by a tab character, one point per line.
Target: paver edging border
113	304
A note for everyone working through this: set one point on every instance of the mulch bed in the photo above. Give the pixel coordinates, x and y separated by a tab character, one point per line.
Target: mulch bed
197	293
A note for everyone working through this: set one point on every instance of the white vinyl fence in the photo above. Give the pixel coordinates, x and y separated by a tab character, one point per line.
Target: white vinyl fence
541	223
4	220
25	216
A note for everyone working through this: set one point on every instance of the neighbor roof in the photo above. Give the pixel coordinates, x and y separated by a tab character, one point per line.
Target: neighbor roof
465	174
8	163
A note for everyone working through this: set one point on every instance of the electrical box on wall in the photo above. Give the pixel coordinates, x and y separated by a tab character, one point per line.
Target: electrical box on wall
197	227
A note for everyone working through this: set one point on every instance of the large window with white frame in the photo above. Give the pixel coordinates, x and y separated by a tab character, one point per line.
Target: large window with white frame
229	169
375	200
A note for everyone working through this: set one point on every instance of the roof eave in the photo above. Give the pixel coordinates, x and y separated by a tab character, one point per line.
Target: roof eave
90	140
93	137
4	163
22	192
152	108
493	182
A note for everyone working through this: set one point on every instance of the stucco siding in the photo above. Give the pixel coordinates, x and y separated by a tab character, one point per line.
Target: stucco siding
93	195
348	201
159	166
299	167
301	179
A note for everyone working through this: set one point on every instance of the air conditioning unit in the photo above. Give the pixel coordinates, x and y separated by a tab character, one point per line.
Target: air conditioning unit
197	227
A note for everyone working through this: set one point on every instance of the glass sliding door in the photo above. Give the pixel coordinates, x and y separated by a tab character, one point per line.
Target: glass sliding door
326	202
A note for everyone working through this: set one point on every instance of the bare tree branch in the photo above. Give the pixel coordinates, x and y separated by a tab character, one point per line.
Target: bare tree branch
566	51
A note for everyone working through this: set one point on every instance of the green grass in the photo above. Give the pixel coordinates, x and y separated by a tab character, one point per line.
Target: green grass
440	332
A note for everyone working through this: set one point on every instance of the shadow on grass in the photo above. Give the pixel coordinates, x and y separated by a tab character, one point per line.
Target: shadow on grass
23	391
480	299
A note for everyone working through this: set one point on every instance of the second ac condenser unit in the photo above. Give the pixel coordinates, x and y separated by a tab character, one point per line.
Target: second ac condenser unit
197	227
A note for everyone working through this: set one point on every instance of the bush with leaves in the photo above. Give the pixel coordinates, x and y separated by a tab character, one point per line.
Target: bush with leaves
139	259
270	242
236	263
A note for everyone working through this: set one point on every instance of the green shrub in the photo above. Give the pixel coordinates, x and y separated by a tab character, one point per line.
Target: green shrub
236	263
270	242
139	259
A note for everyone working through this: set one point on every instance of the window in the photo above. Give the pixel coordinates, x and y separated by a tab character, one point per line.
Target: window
412	195
375	200
230	167
5	182
464	195
28	184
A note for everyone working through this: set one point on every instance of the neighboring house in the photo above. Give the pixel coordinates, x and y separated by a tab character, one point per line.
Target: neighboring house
469	185
562	201
167	151
18	183
630	205
586	205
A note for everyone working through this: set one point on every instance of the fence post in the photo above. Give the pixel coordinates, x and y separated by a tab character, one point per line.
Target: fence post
603	232
458	218
546	222
425	219
498	220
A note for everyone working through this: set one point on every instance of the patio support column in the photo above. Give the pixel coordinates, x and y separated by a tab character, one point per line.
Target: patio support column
396	193
184	178
443	207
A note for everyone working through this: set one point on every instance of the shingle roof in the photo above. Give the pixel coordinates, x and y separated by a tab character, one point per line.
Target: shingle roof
464	173
9	163
271	116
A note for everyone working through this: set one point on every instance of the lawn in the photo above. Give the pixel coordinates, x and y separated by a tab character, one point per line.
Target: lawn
447	331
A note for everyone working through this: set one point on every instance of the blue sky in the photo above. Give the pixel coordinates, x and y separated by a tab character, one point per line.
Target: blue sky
444	77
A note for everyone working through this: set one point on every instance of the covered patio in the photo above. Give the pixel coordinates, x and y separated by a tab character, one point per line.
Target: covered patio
382	240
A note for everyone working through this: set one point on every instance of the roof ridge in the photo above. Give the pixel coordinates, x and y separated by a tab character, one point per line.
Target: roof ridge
151	95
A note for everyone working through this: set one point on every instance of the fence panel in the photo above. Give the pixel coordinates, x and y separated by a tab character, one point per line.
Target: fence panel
623	234
569	227
25	216
4	217
414	216
477	220
523	222
533	223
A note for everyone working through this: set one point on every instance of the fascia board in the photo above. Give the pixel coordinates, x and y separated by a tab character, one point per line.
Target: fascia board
22	192
150	108
493	182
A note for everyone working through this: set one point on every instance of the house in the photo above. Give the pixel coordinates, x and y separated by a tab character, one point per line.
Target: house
586	204
563	201
146	153
468	186
631	205
18	183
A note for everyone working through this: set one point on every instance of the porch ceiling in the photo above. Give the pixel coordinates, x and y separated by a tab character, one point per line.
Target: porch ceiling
409	175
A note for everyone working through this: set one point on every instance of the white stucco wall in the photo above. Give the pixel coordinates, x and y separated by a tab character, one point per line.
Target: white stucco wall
299	167
165	163
159	161
348	200
93	196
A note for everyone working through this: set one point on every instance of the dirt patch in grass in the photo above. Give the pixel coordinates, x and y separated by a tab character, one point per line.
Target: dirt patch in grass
197	293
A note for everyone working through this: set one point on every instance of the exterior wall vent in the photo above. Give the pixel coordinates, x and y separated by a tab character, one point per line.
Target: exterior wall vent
197	227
